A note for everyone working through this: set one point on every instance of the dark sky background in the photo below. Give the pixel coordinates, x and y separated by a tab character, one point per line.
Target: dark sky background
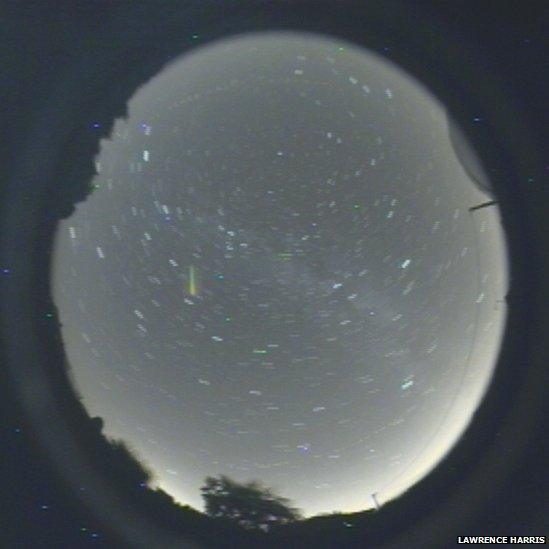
278	278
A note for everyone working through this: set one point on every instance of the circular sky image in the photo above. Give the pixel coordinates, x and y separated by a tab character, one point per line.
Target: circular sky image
290	269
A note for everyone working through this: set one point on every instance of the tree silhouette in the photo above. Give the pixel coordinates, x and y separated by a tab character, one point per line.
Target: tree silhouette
251	505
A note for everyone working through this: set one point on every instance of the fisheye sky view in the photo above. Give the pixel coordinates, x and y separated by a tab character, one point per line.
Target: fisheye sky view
278	275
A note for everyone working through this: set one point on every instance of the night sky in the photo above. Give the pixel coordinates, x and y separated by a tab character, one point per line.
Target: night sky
277	276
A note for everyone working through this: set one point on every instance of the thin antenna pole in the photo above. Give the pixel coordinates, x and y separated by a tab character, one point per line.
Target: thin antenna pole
484	205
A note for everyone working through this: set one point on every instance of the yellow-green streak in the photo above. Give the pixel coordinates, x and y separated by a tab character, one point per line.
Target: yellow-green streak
192	281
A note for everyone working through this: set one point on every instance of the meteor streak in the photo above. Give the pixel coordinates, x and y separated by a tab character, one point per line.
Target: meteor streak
192	282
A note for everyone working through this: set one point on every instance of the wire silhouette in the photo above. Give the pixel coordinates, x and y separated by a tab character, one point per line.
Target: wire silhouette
468	361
